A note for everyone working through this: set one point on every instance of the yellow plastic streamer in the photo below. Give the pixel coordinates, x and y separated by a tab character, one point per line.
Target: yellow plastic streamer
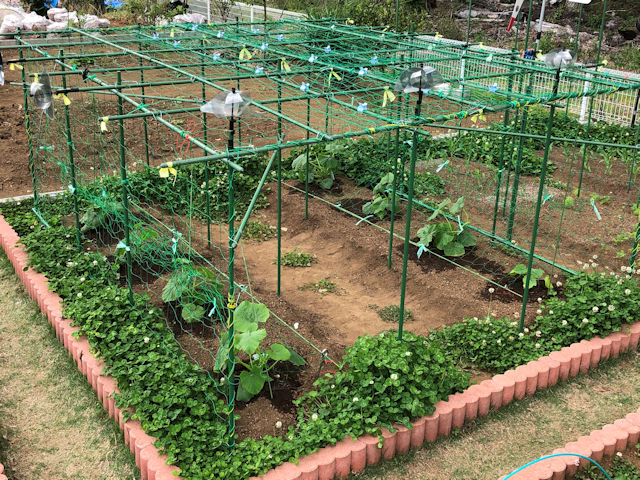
479	116
173	33
103	124
284	65
387	96
13	66
168	170
332	73
64	98
244	54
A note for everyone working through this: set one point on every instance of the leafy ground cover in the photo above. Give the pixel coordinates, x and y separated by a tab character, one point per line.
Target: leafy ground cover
492	446
51	423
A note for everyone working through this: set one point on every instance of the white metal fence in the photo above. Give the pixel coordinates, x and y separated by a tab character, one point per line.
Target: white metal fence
616	108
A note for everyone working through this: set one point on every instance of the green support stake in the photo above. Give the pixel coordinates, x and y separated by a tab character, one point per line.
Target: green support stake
27	123
279	168
144	123
516	177
125	195
394	188
306	168
207	194
231	305
72	166
536	218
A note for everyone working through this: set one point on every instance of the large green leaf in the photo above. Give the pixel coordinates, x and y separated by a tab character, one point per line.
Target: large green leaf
426	234
439	209
467	238
454	249
177	285
242	395
367	208
249	342
457	207
444	236
519	269
326	183
192	312
536	274
222	356
296	359
253	380
248	315
279	352
300	162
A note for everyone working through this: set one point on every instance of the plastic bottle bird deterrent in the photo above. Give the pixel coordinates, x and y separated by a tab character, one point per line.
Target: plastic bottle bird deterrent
426	78
42	94
558	58
228	104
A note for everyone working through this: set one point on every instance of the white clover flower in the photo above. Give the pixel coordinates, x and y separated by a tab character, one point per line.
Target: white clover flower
484	342
539	300
611	308
513	324
117	299
370	382
578	262
79	294
585	266
69	264
510	337
95	262
82	279
594	265
558	284
394	376
222	380
619	454
520	335
627	292
150	312
564	322
526	330
538	334
595	309
146	339
538	311
332	387
550	312
355	399
595	257
314	417
499	341
491	290
537	345
278	424
296	325
585	320
290	437
407	354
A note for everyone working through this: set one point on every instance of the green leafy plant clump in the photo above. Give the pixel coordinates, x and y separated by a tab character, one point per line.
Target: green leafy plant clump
382	199
296	258
259	231
385	381
449	236
391	314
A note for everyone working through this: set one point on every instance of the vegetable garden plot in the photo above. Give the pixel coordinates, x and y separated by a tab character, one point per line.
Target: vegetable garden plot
165	190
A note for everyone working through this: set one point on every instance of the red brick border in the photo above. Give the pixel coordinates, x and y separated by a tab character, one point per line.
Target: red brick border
153	465
347	456
353	455
2	475
616	437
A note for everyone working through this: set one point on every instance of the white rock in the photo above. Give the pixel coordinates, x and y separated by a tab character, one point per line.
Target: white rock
66	17
103	23
89	21
34	22
52	12
56	26
190	18
11	24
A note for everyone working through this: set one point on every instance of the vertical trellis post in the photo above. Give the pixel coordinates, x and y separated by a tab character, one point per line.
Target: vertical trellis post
72	166
394	188
306	168
536	218
144	119
279	169
207	194
27	123
125	191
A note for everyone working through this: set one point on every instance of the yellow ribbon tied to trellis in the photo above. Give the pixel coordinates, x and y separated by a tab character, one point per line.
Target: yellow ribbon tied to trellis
284	65
604	64
479	116
64	98
244	54
13	66
387	96
438	36
168	170
36	78
333	73
173	33
103	124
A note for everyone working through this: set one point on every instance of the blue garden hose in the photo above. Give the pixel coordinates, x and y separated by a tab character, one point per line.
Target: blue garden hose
559	455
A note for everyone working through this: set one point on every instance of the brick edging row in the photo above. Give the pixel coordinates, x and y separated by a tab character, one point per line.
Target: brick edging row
615	437
352	456
152	465
349	455
2	475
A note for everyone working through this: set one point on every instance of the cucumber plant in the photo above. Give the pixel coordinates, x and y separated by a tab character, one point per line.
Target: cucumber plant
381	203
452	237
